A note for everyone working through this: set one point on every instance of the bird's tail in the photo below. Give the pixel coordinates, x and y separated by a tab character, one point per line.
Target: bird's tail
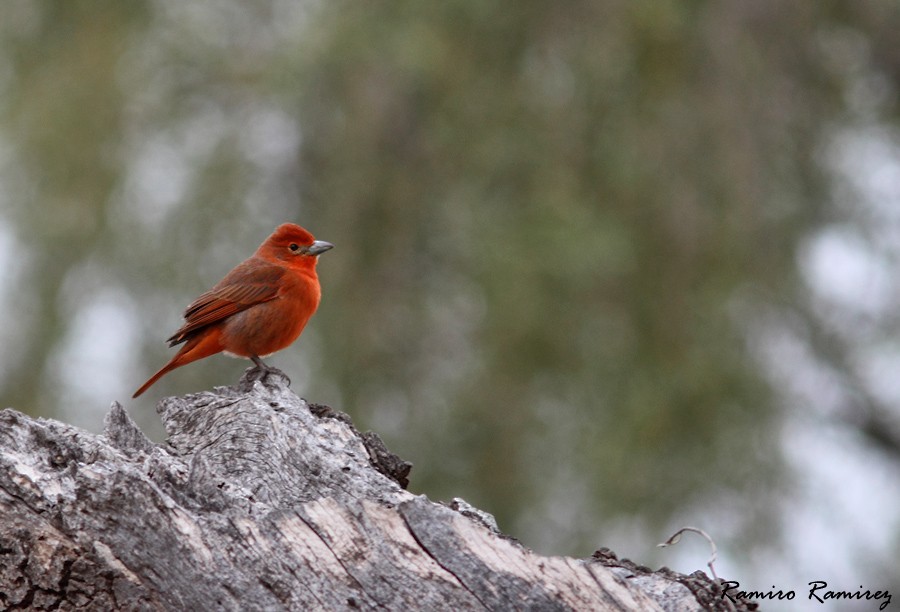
166	368
198	347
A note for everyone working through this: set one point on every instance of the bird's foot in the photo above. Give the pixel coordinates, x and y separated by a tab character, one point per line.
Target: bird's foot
264	374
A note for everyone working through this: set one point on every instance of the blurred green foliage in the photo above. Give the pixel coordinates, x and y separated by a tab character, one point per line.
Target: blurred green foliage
556	223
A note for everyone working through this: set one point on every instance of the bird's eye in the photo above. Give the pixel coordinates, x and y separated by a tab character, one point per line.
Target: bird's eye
294	246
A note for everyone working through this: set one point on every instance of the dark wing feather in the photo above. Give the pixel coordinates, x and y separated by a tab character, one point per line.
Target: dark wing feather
252	282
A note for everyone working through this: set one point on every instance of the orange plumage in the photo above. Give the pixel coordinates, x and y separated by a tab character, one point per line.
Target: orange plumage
259	308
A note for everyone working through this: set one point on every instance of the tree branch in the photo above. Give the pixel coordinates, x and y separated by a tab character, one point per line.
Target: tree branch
260	501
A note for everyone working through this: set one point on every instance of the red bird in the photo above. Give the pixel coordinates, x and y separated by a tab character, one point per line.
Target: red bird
259	308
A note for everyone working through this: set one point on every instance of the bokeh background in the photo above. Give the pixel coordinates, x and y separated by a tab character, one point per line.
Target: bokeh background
603	269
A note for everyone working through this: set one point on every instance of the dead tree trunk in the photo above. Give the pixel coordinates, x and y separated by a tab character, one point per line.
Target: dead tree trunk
260	501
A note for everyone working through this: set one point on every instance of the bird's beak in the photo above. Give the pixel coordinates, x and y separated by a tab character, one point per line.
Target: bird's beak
318	247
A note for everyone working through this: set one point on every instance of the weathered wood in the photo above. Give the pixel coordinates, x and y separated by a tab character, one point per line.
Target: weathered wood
259	501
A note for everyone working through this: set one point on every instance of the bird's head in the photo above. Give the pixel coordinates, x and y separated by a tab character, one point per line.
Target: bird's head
294	245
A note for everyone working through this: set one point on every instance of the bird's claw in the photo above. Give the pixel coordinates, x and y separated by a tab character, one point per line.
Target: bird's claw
263	373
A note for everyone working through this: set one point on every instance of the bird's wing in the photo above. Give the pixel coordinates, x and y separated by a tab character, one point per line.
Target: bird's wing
252	282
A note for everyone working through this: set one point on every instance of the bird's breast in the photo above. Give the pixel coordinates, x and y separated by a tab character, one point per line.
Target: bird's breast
271	326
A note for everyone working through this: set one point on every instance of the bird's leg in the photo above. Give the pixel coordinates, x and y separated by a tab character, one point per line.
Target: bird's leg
262	371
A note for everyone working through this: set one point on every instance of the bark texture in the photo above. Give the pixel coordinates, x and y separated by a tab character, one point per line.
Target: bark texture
260	501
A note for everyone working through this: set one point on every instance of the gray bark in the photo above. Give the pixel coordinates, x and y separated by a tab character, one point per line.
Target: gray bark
260	501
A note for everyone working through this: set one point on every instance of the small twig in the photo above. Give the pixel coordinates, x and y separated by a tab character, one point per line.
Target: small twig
676	537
